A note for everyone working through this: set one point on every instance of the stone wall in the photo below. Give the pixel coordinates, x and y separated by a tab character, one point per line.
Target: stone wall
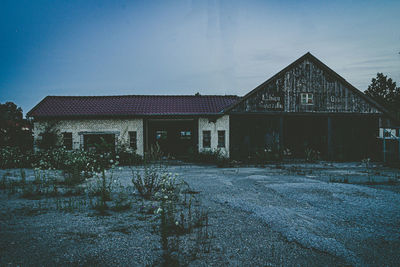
120	127
214	125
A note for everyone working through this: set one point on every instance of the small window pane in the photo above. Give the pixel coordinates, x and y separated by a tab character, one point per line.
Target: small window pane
186	135
161	135
133	140
67	140
221	138
307	98
206	139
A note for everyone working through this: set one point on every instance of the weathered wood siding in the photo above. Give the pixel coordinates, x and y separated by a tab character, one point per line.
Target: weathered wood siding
284	93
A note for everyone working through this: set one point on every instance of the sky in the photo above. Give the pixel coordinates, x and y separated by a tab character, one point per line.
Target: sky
183	47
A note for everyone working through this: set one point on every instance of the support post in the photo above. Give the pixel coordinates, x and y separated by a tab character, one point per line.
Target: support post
384	145
398	141
281	133
330	147
145	136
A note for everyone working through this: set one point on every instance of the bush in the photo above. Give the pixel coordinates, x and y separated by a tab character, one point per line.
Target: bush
154	179
49	137
212	156
13	157
127	157
268	154
311	155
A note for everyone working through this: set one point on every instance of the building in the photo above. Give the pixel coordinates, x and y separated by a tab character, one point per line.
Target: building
305	106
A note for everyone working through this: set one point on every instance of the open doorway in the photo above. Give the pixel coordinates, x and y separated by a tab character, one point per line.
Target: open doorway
176	138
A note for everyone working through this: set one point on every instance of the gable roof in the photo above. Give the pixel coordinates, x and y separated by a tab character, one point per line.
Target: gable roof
127	105
324	67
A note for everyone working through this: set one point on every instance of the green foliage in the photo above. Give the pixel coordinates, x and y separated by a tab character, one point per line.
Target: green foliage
154	154
266	155
384	91
127	156
122	201
154	179
14	130
212	156
311	155
14	157
49	138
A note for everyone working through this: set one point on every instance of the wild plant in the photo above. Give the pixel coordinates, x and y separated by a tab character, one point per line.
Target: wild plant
23	176
71	204
155	154
311	155
122	201
153	179
102	189
3	184
74	176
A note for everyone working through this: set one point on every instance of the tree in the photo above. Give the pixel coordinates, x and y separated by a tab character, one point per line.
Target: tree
384	91
14	130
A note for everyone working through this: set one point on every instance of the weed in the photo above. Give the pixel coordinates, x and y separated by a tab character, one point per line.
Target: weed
3	184
74	176
311	155
23	176
121	202
152	180
344	180
121	229
71	204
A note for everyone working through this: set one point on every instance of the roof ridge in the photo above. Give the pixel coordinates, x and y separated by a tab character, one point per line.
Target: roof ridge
103	96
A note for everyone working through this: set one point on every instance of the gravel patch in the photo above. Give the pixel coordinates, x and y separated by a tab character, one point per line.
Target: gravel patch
286	215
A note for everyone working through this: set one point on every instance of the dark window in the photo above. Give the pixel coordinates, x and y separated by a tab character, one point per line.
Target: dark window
221	138
186	135
133	140
67	140
307	98
99	143
161	135
206	139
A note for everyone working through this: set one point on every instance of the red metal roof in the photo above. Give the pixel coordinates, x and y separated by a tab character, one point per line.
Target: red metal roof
125	105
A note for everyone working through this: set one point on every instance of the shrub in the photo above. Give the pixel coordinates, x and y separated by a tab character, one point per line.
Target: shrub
154	154
49	137
311	155
13	157
122	202
152	180
212	156
128	157
267	154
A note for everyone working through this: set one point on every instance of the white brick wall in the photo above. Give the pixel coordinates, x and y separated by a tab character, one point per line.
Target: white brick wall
221	124
121	126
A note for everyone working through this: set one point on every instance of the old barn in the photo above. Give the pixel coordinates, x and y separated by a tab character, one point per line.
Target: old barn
305	106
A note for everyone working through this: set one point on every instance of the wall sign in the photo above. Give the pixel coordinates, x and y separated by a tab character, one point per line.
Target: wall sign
271	102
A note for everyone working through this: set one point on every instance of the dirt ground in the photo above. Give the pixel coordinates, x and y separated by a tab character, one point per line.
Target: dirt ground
278	215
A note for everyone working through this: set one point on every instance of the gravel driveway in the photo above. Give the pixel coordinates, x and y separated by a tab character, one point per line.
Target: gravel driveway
285	215
356	223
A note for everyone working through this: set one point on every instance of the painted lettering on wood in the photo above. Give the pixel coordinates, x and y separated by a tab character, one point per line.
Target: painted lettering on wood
306	87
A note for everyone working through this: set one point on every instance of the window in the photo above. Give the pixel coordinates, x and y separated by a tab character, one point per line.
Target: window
186	135
67	140
133	140
307	99
221	138
161	135
206	139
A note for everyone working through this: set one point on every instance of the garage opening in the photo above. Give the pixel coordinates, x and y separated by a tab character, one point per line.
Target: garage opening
177	137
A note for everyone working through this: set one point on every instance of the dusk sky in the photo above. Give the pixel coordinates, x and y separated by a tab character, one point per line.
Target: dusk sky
184	47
